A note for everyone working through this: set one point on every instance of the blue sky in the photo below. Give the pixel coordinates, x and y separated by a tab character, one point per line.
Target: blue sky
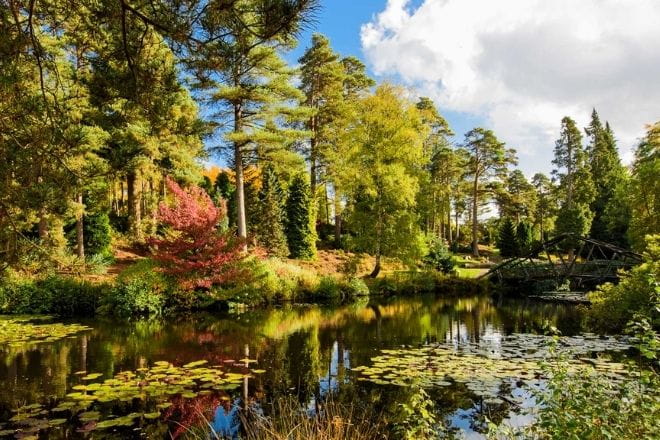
340	21
513	66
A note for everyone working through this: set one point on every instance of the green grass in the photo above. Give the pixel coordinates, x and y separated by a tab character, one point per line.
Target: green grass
469	272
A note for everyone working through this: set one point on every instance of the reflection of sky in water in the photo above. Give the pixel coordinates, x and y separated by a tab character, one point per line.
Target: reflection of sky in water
306	350
227	424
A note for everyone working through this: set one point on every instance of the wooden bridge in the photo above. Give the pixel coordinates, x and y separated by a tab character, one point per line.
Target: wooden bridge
590	263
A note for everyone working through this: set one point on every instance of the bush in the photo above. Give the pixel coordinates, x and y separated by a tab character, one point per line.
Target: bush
612	306
439	257
96	232
141	290
270	280
51	295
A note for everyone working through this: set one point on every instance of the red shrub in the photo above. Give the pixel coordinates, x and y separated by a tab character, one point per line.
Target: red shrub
194	251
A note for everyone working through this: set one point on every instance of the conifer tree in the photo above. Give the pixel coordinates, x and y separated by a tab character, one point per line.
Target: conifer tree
607	173
524	238
506	238
300	230
321	80
487	163
576	186
546	203
270	220
249	85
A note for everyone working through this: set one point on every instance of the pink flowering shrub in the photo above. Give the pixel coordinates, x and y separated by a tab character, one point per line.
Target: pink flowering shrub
193	250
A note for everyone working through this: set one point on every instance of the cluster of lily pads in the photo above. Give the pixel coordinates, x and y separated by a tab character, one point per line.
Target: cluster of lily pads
484	366
156	384
19	331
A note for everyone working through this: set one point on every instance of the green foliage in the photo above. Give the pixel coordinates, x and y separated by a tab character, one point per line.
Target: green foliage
644	191
524	238
487	163
586	405
575	219
385	179
271	218
51	295
97	234
506	238
300	224
140	290
416	419
638	292
439	256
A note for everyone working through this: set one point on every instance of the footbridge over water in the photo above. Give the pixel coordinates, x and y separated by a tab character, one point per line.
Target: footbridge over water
582	261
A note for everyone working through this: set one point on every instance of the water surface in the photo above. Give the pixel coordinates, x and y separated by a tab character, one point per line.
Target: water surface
306	351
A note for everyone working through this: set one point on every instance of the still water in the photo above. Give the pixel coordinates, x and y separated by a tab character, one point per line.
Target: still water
304	351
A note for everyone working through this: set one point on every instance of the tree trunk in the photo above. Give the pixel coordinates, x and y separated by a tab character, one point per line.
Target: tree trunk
134	208
458	227
374	273
337	202
449	234
240	185
327	204
475	225
43	226
312	158
80	238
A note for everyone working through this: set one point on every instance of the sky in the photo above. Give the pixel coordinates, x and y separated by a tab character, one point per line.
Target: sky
513	66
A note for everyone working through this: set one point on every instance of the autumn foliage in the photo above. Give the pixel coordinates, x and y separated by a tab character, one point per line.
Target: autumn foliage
193	249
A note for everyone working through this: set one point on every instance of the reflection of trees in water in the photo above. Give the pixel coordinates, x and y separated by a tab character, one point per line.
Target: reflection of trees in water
306	351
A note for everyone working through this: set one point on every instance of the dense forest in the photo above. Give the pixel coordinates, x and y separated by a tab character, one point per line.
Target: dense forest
114	112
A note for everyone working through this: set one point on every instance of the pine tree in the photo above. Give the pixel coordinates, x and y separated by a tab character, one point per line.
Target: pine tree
270	221
251	88
506	238
576	186
524	238
487	163
321	80
300	231
607	173
546	205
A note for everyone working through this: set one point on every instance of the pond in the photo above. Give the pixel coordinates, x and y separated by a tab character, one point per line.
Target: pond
116	379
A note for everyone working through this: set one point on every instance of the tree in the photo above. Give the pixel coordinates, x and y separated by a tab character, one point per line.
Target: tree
194	251
487	162
506	238
321	80
388	138
517	197
339	168
250	86
271	218
644	191
546	202
300	230
576	187
442	170
607	173
524	238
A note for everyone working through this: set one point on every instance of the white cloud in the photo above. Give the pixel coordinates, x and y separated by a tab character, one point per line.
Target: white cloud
524	64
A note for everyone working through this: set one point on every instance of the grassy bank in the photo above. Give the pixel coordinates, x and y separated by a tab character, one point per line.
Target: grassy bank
142	290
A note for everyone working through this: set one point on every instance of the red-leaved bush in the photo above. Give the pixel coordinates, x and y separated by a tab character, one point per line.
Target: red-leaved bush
193	250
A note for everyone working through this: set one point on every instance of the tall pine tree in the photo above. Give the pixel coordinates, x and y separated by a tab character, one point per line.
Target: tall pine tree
607	173
576	186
